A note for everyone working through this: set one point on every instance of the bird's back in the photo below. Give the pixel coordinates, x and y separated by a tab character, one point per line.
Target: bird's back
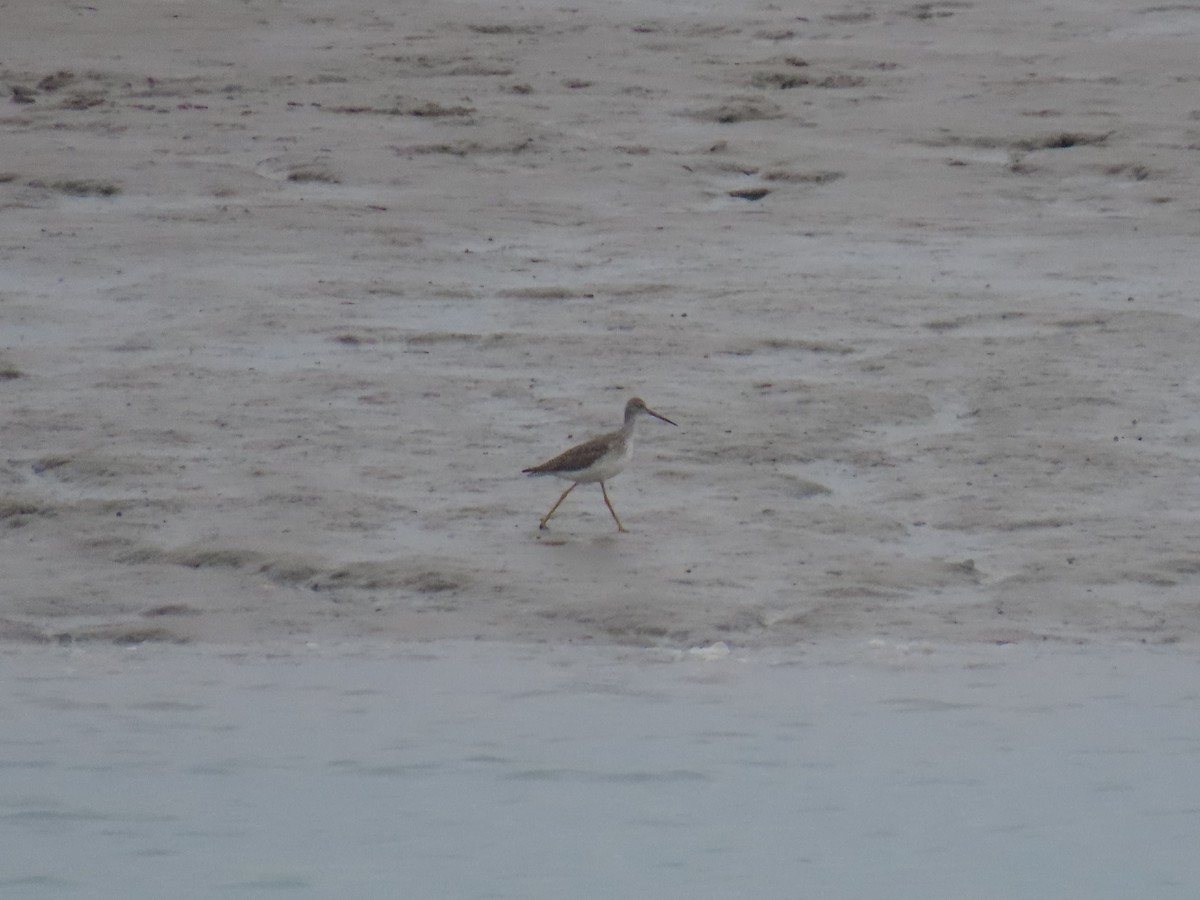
597	459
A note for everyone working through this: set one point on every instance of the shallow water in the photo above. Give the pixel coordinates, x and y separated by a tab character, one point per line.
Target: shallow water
494	771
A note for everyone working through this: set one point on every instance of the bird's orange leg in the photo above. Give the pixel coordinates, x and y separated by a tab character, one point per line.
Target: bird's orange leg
608	502
546	517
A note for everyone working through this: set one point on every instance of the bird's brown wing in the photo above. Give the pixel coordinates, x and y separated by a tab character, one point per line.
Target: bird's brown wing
578	457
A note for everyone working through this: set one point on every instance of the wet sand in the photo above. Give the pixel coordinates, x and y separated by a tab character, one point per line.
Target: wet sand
293	292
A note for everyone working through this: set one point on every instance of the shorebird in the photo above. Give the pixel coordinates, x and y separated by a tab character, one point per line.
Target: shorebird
599	459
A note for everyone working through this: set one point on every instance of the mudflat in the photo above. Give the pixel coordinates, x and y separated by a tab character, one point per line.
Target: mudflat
290	294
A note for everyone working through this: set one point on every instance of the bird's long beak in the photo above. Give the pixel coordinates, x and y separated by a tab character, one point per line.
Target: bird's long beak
651	412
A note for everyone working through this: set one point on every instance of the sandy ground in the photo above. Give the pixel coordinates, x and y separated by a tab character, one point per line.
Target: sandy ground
292	291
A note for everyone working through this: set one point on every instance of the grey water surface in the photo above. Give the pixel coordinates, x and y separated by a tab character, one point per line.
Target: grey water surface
459	770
